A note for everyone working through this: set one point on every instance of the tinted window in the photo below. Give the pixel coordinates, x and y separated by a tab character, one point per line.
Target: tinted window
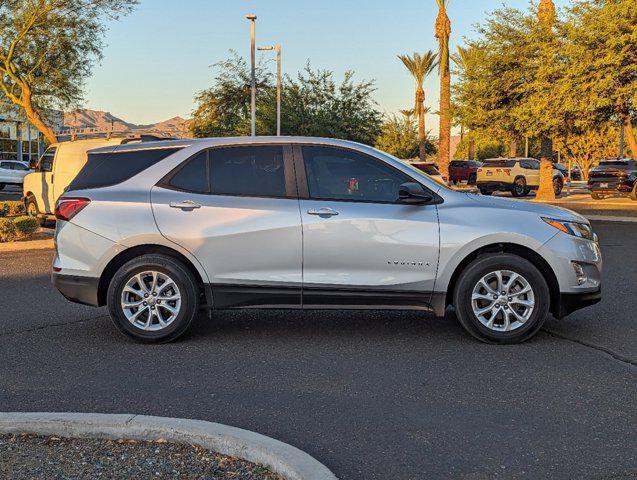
46	161
252	170
105	169
499	163
6	165
193	176
339	174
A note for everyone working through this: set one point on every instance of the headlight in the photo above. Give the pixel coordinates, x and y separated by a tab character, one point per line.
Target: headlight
581	230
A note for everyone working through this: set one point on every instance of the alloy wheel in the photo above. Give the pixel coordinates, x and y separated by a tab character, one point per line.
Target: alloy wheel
503	300
151	300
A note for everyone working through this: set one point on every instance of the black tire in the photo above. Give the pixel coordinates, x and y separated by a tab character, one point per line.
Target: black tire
2	185
558	185
519	188
32	210
472	179
484	265
182	277
486	192
633	193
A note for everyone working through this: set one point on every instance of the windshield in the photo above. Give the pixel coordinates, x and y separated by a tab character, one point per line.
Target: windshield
499	163
621	164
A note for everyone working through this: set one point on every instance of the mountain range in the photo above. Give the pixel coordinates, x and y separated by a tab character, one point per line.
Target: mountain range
105	121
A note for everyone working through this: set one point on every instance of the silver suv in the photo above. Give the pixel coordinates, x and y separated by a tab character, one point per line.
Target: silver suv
158	231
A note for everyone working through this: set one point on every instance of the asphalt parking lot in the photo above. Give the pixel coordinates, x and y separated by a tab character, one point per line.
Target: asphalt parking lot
372	395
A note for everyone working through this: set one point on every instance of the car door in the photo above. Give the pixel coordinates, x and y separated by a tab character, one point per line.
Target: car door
237	211
6	173
531	172
361	246
43	191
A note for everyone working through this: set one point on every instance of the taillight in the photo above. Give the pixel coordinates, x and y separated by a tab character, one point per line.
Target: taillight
68	207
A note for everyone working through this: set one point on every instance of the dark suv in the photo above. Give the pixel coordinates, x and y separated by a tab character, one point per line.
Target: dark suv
613	177
464	171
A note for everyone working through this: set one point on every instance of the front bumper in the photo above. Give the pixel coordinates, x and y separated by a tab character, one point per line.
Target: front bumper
570	302
77	289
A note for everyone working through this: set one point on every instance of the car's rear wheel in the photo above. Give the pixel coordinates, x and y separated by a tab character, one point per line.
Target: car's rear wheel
153	298
501	298
558	185
519	187
484	191
33	210
472	179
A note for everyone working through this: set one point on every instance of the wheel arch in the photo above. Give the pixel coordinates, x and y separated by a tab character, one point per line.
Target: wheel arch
132	252
516	249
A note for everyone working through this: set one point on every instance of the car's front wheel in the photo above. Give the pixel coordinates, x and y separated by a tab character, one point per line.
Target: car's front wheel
501	298
153	298
484	191
558	185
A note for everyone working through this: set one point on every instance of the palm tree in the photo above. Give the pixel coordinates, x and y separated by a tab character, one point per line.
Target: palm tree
420	66
462	59
443	31
546	191
408	114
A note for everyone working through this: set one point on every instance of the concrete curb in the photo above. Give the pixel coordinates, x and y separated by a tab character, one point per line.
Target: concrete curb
284	459
604	218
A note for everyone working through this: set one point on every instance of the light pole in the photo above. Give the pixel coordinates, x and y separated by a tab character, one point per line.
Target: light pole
253	100
277	47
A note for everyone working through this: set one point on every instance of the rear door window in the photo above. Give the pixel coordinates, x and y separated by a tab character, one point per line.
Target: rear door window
117	166
248	170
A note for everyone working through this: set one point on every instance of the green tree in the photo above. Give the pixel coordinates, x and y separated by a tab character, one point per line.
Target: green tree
47	50
312	104
600	83
587	148
442	33
400	139
420	66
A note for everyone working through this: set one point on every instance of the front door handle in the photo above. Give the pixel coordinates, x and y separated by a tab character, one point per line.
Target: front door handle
323	212
186	205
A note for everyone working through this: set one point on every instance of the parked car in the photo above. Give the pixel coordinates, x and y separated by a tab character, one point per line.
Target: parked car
430	168
155	231
516	175
464	171
613	177
55	170
576	174
12	172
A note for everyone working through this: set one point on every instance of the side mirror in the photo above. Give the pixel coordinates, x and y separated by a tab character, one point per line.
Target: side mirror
414	193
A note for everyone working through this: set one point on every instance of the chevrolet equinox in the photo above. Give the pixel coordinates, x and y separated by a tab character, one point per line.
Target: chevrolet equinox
157	231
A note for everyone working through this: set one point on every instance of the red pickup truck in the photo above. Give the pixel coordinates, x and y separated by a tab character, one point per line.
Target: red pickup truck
464	171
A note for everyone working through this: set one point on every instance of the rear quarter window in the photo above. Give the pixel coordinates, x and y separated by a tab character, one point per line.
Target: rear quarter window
111	168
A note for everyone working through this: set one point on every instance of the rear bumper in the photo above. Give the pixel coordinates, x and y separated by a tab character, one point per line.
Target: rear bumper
77	289
571	302
494	186
610	186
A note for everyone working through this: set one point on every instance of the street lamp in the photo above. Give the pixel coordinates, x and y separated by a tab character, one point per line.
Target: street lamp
277	47
253	100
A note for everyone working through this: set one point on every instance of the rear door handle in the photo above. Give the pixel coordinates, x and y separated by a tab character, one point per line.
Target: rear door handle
186	205
323	212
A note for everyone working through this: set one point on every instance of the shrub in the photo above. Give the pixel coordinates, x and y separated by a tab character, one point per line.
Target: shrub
8	231
26	226
11	208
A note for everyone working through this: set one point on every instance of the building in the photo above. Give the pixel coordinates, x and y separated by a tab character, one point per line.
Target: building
19	140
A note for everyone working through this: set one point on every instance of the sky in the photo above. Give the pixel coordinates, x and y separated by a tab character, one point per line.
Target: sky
160	56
